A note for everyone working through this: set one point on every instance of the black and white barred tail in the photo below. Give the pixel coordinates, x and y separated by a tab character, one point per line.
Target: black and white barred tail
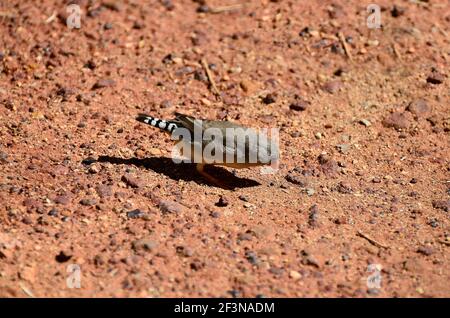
156	122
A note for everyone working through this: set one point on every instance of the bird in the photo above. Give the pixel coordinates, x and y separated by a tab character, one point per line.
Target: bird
217	143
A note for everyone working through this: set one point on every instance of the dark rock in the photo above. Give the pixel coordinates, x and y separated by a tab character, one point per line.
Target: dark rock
223	201
435	77
299	104
135	214
62	257
269	99
88	161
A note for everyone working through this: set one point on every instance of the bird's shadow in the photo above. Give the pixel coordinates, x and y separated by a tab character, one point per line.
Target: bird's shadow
184	171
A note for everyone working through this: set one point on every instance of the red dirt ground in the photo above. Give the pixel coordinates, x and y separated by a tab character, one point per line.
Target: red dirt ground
364	176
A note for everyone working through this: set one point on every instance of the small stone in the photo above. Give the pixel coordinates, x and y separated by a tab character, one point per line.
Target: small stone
365	122
145	244
167	206
105	82
248	86
244	237
313	219
435	78
252	258
295	275
296	179
343	148
323	158
132	181
344	188
397	11
269	99
425	250
442	205
397	120
244	198
63	257
94	169
332	86
88	202
62	199
88	161
3	157
223	201
419	108
298	104
103	190
135	214
184	251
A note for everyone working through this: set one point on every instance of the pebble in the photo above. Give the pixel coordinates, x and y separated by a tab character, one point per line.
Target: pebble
63	257
248	86
296	179
244	198
167	206
313	219
3	157
299	104
132	181
295	275
397	120
419	107
435	78
88	202
88	161
184	251
332	86
135	214
252	258
103	190
62	199
145	244
269	99
343	148
105	82
442	205
223	201
365	122
425	250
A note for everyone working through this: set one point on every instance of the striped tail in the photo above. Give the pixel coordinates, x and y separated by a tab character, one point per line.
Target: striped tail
156	122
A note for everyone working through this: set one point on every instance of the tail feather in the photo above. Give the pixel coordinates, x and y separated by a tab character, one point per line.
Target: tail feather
156	122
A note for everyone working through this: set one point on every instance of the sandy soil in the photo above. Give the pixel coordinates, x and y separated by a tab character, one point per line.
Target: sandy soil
364	131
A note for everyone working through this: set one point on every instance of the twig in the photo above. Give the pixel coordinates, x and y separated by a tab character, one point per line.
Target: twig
344	44
444	242
211	79
226	8
371	240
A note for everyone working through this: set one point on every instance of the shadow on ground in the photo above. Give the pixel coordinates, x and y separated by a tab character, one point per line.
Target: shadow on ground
183	171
